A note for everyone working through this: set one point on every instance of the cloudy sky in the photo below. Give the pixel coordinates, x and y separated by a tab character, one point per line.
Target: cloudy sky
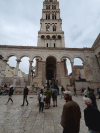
20	22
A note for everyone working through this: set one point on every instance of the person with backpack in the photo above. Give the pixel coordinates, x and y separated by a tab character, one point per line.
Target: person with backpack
54	95
47	100
91	116
11	91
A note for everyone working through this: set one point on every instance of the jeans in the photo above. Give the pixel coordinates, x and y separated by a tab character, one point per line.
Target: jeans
41	106
25	98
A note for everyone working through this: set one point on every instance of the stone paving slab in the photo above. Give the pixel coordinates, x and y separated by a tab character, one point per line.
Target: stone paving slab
17	119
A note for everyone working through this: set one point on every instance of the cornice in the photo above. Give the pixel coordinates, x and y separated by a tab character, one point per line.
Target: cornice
48	32
4	47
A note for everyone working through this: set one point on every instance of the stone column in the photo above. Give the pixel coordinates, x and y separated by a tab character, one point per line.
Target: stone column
36	74
58	74
65	67
3	71
73	75
50	15
29	76
16	72
43	73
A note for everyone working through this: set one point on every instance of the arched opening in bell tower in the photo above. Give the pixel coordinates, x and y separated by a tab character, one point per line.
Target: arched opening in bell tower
50	68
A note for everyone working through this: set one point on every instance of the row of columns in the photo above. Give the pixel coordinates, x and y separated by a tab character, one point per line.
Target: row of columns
36	74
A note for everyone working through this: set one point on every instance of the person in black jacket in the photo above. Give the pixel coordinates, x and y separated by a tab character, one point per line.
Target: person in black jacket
91	116
25	93
10	94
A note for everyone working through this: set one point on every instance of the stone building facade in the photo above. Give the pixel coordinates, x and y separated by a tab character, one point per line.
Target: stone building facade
51	53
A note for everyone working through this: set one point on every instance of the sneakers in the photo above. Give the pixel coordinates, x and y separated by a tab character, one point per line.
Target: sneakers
22	105
6	103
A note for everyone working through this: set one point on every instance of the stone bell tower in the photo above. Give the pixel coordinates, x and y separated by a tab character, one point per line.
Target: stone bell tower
51	34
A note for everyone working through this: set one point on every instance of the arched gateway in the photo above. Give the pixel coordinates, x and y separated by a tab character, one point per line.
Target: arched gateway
50	68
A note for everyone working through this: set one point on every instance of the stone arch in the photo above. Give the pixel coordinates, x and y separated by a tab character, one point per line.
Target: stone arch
10	55
48	37
53	37
42	37
59	37
66	56
54	56
80	57
24	55
37	55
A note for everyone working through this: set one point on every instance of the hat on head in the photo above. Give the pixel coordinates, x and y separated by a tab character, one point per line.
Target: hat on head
68	93
87	100
11	86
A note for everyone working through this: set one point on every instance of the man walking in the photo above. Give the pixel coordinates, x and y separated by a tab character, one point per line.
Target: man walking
25	93
10	94
71	115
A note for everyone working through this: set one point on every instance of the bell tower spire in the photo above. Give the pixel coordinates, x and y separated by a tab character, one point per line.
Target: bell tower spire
51	34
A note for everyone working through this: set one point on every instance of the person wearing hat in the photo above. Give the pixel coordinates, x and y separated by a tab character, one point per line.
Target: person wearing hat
71	115
91	116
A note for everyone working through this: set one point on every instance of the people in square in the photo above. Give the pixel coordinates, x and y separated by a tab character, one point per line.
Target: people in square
71	115
91	116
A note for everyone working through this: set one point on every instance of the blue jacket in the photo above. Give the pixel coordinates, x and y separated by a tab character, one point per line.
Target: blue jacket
11	91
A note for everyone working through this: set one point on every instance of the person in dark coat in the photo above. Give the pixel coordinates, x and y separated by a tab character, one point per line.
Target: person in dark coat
10	94
91	116
93	98
25	93
71	115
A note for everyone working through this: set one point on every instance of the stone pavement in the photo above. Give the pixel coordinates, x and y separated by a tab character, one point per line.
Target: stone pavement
17	119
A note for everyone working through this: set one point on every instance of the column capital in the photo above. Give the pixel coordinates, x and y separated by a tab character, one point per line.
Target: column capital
18	61
72	63
30	61
44	62
58	62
